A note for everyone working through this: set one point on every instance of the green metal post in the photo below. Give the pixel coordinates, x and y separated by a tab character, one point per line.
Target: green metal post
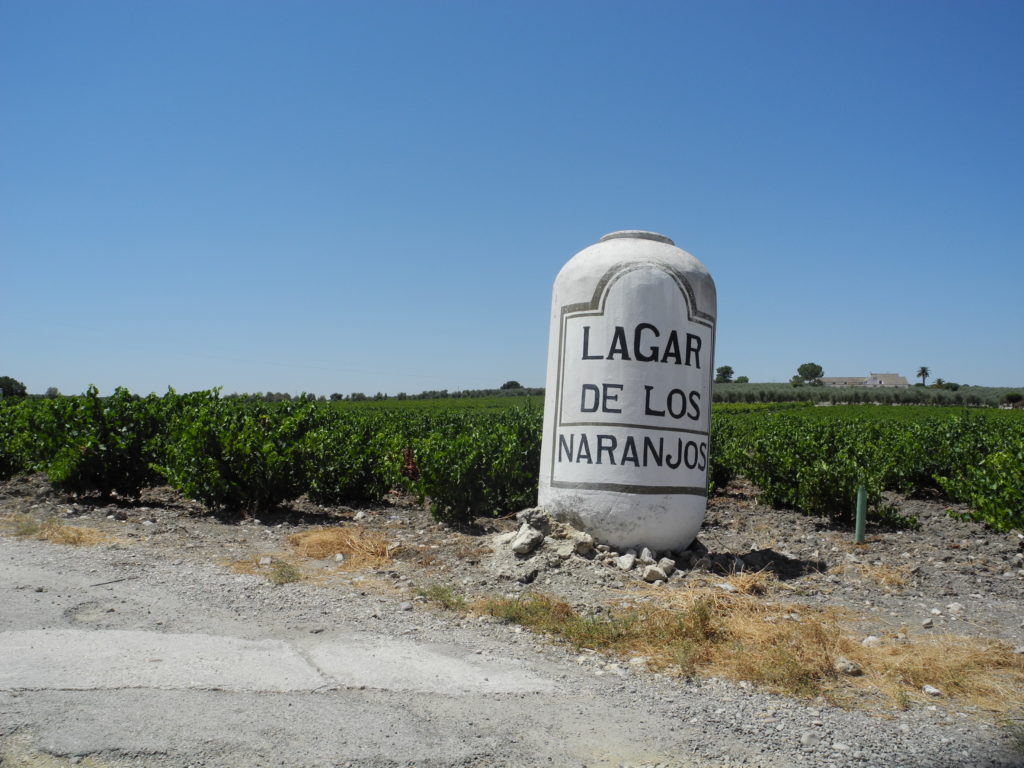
862	514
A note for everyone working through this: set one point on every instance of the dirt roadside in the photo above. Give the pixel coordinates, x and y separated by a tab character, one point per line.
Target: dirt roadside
946	577
901	577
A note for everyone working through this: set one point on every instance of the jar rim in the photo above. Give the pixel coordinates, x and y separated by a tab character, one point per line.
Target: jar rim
639	234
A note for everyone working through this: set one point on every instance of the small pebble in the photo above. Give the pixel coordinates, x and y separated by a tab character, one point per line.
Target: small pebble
809	739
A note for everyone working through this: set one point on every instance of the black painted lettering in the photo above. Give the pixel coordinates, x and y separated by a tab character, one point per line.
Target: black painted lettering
695	404
703	457
608	396
618	346
656	453
690	455
583	450
648	411
586	345
679	457
676	411
652	354
629	454
565	446
672	349
589	407
692	347
606	444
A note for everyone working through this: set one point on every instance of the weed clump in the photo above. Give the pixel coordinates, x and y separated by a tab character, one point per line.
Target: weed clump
283	572
1014	725
549	615
443	595
24	526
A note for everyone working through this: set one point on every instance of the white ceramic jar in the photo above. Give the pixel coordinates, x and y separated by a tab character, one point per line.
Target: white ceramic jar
627	409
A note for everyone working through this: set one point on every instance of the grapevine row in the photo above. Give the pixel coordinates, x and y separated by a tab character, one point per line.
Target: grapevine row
246	456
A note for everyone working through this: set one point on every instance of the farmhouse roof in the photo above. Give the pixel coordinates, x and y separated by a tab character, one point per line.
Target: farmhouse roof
873	380
890	379
843	381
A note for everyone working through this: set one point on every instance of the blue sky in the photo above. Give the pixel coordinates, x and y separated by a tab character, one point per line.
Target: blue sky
376	196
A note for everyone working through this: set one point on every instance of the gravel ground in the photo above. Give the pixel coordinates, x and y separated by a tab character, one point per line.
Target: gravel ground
948	576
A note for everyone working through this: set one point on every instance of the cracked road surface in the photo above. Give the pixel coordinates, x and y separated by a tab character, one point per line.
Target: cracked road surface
90	676
134	655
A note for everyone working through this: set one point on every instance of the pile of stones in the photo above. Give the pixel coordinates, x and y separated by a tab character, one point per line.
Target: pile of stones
539	533
537	529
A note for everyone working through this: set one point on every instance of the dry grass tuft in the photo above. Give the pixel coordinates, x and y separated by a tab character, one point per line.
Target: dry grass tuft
361	547
51	529
782	647
753	582
891	577
59	533
978	672
744	582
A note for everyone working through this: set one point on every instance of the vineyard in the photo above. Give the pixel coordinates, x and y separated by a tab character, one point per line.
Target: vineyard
239	455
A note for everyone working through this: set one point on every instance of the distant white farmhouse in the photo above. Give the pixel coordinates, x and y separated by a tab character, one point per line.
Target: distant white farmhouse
873	380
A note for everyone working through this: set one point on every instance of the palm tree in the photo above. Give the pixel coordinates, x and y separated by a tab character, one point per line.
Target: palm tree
923	373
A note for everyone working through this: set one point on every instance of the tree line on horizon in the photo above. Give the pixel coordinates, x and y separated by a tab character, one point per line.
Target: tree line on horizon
727	390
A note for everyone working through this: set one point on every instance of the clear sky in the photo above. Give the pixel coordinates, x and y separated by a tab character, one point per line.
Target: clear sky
377	195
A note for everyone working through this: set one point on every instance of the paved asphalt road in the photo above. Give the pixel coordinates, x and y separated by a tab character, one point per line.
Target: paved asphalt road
90	675
129	655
